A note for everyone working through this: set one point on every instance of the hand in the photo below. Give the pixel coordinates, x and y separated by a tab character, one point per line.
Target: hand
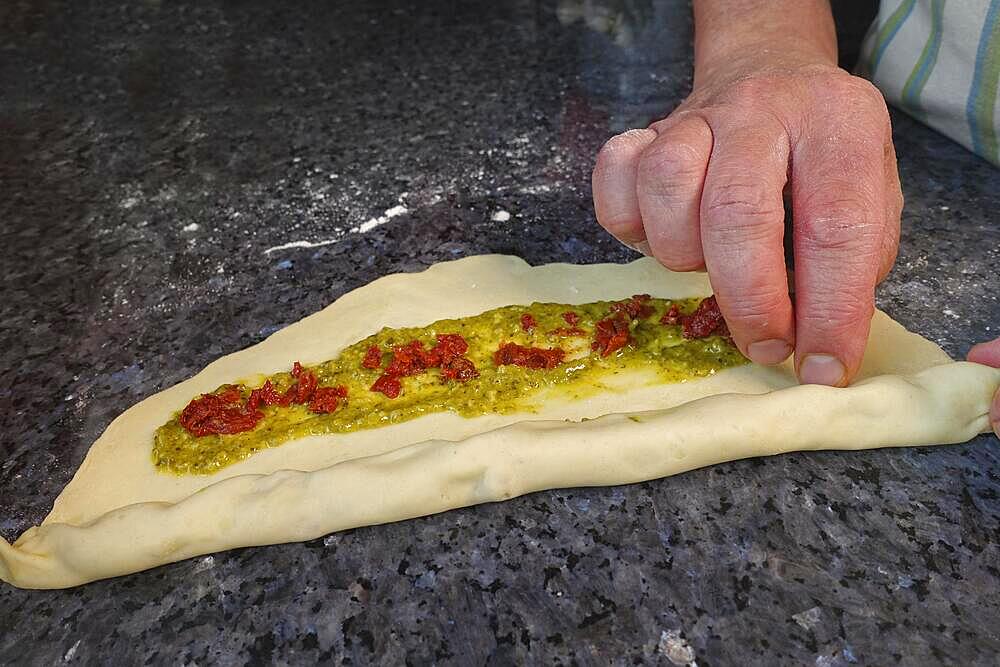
703	189
989	355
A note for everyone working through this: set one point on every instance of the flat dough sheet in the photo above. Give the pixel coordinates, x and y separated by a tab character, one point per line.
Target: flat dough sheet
119	515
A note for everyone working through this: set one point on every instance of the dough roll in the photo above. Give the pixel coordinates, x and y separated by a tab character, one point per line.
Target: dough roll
120	515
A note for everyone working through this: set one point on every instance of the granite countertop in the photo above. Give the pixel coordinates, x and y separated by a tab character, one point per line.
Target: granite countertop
180	180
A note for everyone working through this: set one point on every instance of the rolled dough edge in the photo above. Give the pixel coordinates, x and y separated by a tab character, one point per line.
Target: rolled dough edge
944	404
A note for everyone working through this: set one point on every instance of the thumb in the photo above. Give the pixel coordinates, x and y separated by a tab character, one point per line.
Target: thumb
989	355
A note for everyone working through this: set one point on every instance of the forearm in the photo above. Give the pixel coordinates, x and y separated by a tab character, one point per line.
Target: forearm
731	33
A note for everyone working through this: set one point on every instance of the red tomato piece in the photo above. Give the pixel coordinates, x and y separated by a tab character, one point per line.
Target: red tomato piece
460	369
635	307
326	399
219	414
704	321
611	333
388	385
672	316
373	358
512	354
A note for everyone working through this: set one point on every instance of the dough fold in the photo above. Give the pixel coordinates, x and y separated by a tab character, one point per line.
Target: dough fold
428	469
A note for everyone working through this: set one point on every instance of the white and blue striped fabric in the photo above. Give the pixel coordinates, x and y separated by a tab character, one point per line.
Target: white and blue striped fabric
939	60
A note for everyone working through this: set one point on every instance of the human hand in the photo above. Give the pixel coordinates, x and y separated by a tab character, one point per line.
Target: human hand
703	187
989	355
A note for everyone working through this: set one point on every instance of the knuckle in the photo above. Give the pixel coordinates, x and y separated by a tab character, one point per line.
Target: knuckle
681	254
859	98
756	308
664	124
666	161
620	151
844	224
732	195
613	154
740	211
621	225
868	93
846	154
676	243
616	145
839	314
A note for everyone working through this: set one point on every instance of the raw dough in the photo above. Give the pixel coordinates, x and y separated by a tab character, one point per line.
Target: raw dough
119	515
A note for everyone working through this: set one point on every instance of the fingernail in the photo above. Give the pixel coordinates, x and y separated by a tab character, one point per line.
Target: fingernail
639	246
769	352
821	369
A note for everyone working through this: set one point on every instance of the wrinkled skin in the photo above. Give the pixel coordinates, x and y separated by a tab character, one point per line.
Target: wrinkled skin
703	189
771	121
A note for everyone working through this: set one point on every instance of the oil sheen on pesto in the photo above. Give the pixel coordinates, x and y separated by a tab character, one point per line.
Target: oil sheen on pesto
505	389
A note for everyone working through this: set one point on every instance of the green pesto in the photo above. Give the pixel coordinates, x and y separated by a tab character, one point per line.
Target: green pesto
505	389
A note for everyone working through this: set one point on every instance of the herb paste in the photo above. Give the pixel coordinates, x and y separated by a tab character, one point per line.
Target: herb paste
564	335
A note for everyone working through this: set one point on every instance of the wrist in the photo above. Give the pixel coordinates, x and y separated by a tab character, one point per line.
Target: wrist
727	66
736	38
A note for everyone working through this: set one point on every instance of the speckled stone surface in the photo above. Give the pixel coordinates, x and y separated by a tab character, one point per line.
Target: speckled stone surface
153	154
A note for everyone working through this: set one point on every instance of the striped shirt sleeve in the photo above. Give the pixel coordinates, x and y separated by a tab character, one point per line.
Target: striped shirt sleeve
939	60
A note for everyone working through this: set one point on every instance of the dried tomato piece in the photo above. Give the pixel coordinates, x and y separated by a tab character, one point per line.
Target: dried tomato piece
302	391
672	316
388	385
451	345
528	357
326	399
373	357
219	414
528	322
413	358
635	307
571	318
225	413
271	396
409	359
450	351
611	334
704	321
230	395
459	368
266	394
255	401
197	415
